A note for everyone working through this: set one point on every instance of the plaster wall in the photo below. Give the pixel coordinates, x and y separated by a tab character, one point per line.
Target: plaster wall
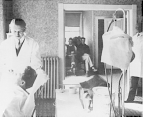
41	17
87	29
2	19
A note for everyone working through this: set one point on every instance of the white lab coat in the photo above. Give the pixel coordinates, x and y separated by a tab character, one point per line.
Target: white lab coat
136	66
28	55
16	99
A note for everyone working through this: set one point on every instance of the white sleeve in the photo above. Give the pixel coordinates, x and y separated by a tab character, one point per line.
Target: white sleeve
29	106
35	56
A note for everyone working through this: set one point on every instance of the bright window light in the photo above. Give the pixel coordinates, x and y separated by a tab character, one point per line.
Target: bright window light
71	32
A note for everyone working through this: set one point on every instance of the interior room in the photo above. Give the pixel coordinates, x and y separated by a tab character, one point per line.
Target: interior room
70	91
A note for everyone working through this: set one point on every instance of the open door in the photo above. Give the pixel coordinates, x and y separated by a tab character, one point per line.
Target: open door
62	8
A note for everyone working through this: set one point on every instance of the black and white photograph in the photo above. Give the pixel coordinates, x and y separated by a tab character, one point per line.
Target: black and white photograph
71	58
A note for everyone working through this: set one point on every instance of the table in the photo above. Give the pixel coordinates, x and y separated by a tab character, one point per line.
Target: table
69	105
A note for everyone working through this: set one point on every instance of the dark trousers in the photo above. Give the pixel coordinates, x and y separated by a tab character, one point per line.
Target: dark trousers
133	88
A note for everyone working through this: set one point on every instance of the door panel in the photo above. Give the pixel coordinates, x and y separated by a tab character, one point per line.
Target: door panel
100	43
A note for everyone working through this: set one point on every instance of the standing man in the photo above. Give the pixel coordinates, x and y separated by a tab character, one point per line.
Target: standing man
83	54
136	66
19	51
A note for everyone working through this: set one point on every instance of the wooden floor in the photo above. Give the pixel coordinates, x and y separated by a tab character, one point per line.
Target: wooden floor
46	107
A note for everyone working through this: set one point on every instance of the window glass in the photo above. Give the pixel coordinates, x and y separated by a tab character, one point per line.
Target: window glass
71	32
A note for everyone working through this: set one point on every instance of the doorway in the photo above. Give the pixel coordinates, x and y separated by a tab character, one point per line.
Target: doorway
62	8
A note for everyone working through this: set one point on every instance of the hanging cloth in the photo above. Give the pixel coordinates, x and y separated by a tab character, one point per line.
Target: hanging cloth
117	48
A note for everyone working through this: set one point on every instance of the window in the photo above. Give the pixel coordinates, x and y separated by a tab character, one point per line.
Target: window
71	32
73	21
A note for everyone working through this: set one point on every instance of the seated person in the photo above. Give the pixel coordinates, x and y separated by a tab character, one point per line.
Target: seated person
70	53
77	41
83	54
15	95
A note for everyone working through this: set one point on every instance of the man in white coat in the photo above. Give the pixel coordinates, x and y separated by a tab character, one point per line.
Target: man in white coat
136	66
17	52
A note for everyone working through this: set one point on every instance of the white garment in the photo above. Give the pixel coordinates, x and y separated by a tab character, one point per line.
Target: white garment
15	102
28	55
136	66
117	48
88	62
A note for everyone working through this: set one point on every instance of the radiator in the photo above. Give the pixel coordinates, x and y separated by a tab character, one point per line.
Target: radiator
51	67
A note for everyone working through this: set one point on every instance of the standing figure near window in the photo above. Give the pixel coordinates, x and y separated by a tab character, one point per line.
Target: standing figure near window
70	54
83	54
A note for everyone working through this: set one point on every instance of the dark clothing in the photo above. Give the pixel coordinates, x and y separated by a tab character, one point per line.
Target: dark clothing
18	49
70	49
96	81
133	88
70	58
81	50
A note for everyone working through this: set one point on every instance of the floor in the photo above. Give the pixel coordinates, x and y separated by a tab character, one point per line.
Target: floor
46	107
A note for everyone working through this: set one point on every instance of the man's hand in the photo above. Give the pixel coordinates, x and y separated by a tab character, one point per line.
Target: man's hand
42	74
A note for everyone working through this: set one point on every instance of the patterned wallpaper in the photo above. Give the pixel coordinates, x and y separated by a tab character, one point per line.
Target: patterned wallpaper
41	17
1	21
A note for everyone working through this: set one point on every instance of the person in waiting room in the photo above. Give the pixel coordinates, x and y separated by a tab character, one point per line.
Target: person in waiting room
14	97
77	41
70	53
83	54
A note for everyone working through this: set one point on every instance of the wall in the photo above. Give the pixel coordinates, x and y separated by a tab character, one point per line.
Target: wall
2	29
8	14
41	17
87	29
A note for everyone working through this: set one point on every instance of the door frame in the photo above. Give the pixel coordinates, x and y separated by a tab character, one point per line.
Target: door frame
86	7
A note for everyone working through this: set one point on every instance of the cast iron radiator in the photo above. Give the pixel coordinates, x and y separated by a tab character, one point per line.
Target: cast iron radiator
51	67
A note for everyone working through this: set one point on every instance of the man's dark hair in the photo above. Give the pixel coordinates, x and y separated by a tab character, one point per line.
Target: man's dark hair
70	38
29	77
83	38
20	22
